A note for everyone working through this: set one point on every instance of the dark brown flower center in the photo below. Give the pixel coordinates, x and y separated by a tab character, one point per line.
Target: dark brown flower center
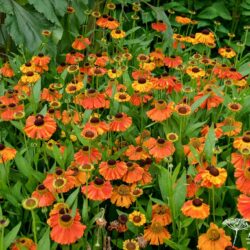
137	219
85	148
39	121
91	91
89	134
205	32
41	187
59	172
142	80
99	181
41	55
30	73
129	164
28	64
213	170
197	202
139	149
2	147
161	141
65	217
130	246
246	139
195	70
94	120
122	218
111	162
182	110
119	115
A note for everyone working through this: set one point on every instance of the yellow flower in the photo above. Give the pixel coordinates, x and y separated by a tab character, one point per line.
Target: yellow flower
137	218
117	34
142	85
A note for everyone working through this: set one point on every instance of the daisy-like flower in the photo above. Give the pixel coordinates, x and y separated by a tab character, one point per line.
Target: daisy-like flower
130	245
80	43
227	52
205	36
142	85
213	176
30	77
156	233
7	71
172	61
195	72
159	26
23	243
183	20
137	218
50	94
161	148
112	23
161	112
121	196
28	67
89	133
66	229
98	190
87	155
195	209
44	196
120	123
91	99
112	170
214	239
243	206
95	123
134	173
242	175
122	97
117	34
233	127
74	57
60	181
40	127
81	173
161	214
41	61
114	73
242	142
135	153
6	153
183	109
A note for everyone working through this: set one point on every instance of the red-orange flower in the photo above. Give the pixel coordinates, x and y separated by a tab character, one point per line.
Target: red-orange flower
135	153
134	173
23	243
120	123
173	61
243	205
98	190
112	170
7	71
242	175
66	229
44	196
161	148
159	26
87	155
40	127
161	214
161	111
74	57
80	43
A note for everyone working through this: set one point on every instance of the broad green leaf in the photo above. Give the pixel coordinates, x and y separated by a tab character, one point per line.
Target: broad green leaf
197	104
11	236
163	179
70	200
23	165
210	143
180	193
44	242
37	91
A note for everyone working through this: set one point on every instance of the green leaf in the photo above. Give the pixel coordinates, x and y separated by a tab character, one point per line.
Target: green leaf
180	191
44	242
198	103
37	91
23	166
25	27
210	143
11	236
72	197
163	183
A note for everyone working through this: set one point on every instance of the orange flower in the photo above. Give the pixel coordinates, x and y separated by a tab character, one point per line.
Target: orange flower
213	176
205	36
240	161
192	187
89	134
233	74
227	52
70	116
214	239
99	126
30	77
112	23
23	243
161	148
6	153
161	112
159	26
44	196
161	214
40	127
9	113
183	109
112	170
243	205
121	196
60	181
195	209
212	101
120	123
91	99
198	144
74	57
66	229
183	20
218	131
7	71
142	85
134	173
242	142
41	61
172	61
135	153
80	43
50	95
156	234
87	155
9	97
98	190
101	22
242	174
232	127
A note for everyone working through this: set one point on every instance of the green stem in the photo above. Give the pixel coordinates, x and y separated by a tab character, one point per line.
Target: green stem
2	239
34	225
213	203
